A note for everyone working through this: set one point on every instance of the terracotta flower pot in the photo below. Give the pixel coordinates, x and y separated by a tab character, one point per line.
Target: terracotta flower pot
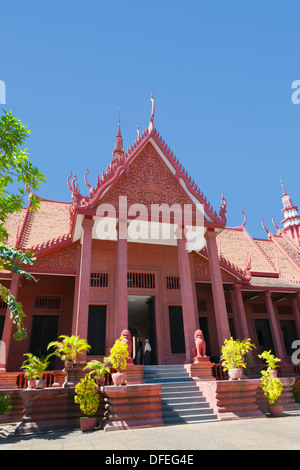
68	363
31	383
40	383
100	381
275	410
273	372
88	423
235	374
119	378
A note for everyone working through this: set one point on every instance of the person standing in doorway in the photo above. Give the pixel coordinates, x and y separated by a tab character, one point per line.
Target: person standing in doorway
147	350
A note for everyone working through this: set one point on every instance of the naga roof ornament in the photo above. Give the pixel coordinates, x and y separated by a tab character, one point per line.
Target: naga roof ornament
151	123
222	211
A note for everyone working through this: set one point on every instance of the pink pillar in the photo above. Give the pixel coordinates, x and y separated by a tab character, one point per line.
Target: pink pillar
275	329
80	324
223	330
296	310
8	326
76	290
189	311
121	313
240	312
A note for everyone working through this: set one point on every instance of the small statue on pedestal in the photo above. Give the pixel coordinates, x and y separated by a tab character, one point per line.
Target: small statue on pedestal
199	350
126	338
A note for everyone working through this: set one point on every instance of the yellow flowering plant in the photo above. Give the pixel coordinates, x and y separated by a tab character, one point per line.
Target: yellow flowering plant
233	352
271	386
270	359
118	355
87	396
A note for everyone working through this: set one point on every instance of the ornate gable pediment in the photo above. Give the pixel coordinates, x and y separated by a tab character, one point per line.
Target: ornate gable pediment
149	181
148	173
202	271
62	260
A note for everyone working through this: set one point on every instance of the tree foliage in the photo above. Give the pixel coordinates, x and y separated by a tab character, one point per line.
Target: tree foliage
18	178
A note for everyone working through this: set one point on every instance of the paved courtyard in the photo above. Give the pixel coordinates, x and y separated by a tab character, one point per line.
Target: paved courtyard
252	434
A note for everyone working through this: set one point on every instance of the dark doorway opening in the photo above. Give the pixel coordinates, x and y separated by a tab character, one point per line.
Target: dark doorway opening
176	329
97	329
141	323
44	330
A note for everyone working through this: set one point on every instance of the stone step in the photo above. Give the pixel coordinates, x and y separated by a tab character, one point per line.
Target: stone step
186	405
167	373
180	392
188	412
189	398
158	380
172	421
181	400
180	385
164	367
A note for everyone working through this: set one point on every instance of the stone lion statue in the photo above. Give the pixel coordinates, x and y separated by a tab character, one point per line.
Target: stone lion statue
127	340
200	345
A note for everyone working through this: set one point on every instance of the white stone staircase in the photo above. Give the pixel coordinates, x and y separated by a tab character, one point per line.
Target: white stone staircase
181	400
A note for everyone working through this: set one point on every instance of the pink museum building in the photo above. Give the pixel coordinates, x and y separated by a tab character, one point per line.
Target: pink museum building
94	285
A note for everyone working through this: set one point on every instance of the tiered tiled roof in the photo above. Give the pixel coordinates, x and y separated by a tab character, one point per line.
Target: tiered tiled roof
272	262
268	261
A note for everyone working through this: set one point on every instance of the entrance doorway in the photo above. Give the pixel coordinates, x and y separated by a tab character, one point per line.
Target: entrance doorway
141	323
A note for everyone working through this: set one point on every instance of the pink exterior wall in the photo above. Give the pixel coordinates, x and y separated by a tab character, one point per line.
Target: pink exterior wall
157	259
161	260
47	285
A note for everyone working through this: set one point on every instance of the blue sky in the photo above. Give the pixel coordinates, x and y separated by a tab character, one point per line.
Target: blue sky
221	74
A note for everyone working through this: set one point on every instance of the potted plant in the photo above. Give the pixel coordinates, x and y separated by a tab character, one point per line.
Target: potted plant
5	406
232	358
41	365
271	361
35	368
87	396
117	358
98	371
30	370
70	348
272	388
296	391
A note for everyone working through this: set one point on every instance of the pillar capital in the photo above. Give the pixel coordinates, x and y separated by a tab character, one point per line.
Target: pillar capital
122	229
210	233
88	222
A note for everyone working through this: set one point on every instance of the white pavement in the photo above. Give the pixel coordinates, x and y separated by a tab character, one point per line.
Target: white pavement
249	434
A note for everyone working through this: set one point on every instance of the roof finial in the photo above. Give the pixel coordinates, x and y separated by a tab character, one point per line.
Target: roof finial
151	124
119	129
118	150
138	131
284	191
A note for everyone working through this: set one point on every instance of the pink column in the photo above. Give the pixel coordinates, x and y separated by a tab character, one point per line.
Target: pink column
275	329
121	313
296	310
76	290
189	311
223	330
8	326
81	320
240	312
